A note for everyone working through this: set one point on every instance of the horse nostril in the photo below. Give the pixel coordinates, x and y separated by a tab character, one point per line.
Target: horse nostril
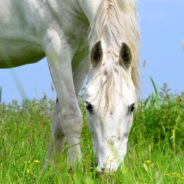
101	172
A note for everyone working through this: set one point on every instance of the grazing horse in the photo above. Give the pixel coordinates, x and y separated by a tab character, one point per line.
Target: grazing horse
98	39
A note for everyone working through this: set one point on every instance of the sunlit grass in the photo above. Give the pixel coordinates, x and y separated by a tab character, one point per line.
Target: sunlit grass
155	149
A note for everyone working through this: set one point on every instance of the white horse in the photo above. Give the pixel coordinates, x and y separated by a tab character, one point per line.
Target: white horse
66	31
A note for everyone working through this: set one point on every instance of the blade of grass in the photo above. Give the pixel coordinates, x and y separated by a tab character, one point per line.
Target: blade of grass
156	97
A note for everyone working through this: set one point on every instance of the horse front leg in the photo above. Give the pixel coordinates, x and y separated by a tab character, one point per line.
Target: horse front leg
57	139
68	118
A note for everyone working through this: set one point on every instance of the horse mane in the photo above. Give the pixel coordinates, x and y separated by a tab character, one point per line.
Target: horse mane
116	22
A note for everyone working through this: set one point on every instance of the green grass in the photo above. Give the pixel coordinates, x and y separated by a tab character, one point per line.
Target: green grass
155	149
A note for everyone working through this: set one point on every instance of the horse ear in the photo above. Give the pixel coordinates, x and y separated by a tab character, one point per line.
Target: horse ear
96	54
125	55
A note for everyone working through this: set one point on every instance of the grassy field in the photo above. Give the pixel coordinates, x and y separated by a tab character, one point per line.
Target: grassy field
155	150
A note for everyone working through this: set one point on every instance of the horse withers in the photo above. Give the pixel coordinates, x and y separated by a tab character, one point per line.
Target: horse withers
99	39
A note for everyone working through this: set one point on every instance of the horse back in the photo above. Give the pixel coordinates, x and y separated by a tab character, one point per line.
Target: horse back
24	24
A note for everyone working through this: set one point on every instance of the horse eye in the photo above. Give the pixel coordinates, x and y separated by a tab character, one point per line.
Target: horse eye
131	108
89	107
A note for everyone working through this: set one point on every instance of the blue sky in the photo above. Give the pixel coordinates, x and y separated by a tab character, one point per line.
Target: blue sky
162	37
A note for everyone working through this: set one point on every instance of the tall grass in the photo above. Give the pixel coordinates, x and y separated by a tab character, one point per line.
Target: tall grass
155	148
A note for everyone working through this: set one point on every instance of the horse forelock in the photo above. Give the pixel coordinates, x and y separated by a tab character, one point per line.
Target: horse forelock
116	22
109	86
